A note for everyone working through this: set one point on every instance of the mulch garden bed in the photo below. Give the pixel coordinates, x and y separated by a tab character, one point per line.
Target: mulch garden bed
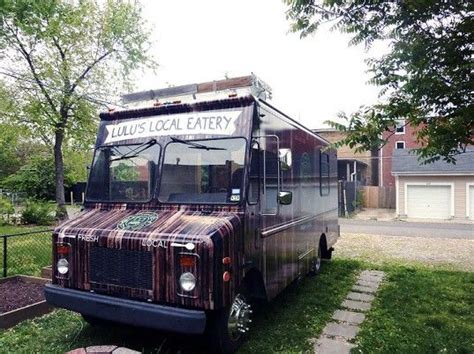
17	293
21	298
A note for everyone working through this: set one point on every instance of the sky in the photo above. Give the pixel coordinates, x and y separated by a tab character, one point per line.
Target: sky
313	79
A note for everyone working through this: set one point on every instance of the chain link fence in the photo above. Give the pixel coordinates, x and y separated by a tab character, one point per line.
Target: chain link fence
25	253
16	198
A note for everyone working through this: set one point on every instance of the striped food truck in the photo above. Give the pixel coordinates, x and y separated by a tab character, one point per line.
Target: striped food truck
201	200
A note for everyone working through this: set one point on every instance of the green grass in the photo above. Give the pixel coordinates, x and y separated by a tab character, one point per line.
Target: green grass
26	254
11	229
291	320
419	310
285	324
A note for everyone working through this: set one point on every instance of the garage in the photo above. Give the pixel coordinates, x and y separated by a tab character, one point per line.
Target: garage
470	205
438	190
429	201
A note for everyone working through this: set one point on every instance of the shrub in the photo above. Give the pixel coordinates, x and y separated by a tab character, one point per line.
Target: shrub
39	213
358	203
6	209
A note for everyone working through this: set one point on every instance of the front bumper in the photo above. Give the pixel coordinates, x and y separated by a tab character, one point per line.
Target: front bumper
125	311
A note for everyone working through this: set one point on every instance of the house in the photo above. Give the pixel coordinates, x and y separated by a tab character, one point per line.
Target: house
402	137
351	166
438	190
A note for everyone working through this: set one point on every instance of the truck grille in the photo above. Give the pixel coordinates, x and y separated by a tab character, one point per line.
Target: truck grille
132	269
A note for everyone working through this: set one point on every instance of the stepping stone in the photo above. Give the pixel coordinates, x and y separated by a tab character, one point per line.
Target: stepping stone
356	305
101	349
378	273
364	289
369	284
341	330
336	335
348	316
123	350
360	297
369	278
77	351
332	346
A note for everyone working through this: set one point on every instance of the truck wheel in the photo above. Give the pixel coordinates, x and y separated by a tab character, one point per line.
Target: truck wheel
229	327
316	263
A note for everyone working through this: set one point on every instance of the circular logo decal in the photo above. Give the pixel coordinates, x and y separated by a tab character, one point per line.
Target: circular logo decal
137	221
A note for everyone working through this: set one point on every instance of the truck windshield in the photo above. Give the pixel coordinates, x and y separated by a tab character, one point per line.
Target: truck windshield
123	173
203	171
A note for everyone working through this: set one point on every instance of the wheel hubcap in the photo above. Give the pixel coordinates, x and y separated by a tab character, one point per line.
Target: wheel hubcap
317	261
239	317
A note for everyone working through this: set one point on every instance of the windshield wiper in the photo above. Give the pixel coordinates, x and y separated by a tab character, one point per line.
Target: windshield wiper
195	145
136	151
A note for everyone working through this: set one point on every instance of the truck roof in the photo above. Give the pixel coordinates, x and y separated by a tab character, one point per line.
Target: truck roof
243	85
210	95
177	107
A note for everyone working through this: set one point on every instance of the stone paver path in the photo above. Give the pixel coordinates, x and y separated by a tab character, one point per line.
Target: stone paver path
339	333
103	349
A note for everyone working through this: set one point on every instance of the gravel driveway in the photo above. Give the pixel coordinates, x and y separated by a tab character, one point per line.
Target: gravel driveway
455	253
413	229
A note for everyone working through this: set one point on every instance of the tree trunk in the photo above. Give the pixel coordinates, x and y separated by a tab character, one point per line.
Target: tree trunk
61	213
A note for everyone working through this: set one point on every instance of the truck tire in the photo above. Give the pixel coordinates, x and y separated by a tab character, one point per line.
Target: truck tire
228	327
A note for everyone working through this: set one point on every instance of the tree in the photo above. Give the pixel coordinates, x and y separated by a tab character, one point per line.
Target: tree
9	136
425	78
36	178
66	58
36	175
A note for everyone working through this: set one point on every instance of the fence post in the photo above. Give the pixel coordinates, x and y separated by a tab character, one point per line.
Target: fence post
4	257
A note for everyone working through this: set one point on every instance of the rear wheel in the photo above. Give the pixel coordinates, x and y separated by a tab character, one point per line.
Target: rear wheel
229	326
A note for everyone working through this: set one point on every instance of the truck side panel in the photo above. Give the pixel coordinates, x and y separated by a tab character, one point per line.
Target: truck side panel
290	234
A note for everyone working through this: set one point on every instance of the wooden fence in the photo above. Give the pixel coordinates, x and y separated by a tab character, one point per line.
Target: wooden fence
379	197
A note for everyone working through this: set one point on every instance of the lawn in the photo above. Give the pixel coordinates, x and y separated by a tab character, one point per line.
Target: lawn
417	310
286	324
11	229
26	254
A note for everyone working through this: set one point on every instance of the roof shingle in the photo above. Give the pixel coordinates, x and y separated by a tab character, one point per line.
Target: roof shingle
406	163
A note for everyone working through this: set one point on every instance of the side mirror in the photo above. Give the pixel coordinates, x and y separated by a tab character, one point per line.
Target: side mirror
285	159
285	197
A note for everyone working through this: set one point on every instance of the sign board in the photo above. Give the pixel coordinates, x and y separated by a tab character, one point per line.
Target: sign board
210	122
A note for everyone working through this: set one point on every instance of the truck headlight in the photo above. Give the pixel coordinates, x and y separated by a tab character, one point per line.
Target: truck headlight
62	266
187	281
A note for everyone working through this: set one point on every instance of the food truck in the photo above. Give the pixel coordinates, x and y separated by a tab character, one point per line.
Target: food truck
201	200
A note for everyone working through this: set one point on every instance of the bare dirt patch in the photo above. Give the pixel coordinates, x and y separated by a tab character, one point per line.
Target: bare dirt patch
17	293
454	253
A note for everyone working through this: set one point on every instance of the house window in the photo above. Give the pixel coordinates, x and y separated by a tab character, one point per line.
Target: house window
400	145
400	127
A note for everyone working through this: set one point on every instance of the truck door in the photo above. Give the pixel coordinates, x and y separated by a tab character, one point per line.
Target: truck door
270	180
272	241
252	224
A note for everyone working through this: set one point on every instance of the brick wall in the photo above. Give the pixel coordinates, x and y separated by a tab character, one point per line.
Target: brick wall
409	137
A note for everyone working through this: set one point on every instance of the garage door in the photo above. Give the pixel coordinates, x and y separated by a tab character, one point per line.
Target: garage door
471	202
430	202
